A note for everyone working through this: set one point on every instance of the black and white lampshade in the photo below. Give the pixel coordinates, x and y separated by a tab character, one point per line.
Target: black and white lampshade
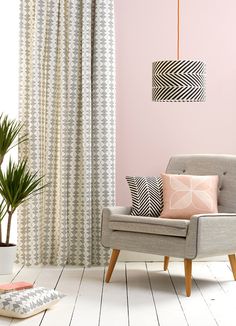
178	81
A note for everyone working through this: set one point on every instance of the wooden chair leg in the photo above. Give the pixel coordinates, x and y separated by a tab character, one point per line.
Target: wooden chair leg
166	262
188	276
113	259
232	261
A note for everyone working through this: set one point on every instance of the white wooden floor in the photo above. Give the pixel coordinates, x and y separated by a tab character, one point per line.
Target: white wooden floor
140	294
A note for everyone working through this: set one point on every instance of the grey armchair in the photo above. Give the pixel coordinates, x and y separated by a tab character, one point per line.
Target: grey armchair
201	236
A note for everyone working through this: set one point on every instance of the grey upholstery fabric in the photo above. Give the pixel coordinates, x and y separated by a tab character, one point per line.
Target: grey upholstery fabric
150	225
211	235
107	212
149	243
207	235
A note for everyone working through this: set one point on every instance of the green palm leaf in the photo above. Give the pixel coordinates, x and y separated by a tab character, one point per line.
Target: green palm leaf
18	183
9	135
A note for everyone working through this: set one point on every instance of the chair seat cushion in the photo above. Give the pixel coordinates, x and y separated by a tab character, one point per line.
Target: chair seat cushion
152	225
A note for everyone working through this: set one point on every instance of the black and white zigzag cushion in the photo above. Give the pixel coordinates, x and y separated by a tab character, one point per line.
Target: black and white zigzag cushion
26	303
147	195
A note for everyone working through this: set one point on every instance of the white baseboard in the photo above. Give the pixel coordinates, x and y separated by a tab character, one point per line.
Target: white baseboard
136	256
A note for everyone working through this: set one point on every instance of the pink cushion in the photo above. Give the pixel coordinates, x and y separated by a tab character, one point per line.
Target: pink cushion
186	195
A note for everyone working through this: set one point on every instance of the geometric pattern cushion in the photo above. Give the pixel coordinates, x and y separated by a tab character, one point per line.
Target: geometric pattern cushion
147	195
26	303
186	195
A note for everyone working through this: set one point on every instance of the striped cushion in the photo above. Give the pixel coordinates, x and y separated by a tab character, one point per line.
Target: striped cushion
147	195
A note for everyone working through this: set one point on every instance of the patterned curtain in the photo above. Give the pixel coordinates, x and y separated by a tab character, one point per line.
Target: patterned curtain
67	105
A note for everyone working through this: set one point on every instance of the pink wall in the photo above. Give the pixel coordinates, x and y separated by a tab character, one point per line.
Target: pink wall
148	133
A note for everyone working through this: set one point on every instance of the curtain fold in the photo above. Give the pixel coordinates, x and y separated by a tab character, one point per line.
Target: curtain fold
67	105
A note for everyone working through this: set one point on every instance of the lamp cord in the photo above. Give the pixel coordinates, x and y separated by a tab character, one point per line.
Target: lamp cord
178	28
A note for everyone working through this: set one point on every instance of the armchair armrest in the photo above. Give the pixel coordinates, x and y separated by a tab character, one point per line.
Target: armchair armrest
107	212
211	235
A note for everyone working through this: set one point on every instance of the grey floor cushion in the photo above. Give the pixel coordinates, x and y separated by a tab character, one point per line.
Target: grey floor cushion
26	303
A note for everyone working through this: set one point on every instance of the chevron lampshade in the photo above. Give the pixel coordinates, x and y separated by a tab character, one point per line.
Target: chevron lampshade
178	81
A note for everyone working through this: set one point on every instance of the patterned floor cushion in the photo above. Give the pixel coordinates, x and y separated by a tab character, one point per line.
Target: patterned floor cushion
26	303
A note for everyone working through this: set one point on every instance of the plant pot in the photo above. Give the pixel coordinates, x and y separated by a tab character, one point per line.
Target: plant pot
7	258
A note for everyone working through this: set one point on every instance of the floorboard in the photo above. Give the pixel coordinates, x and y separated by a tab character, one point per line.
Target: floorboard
68	284
114	299
224	276
141	304
88	303
138	294
195	308
164	292
216	299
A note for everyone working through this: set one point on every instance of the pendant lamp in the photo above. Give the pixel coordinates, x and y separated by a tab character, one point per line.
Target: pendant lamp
178	80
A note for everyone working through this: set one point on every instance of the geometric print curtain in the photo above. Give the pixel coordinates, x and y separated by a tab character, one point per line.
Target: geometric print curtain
67	105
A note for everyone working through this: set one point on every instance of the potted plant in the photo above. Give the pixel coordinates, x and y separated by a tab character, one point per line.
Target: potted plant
17	184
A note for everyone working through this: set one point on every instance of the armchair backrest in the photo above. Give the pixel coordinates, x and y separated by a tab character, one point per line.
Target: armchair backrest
222	165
